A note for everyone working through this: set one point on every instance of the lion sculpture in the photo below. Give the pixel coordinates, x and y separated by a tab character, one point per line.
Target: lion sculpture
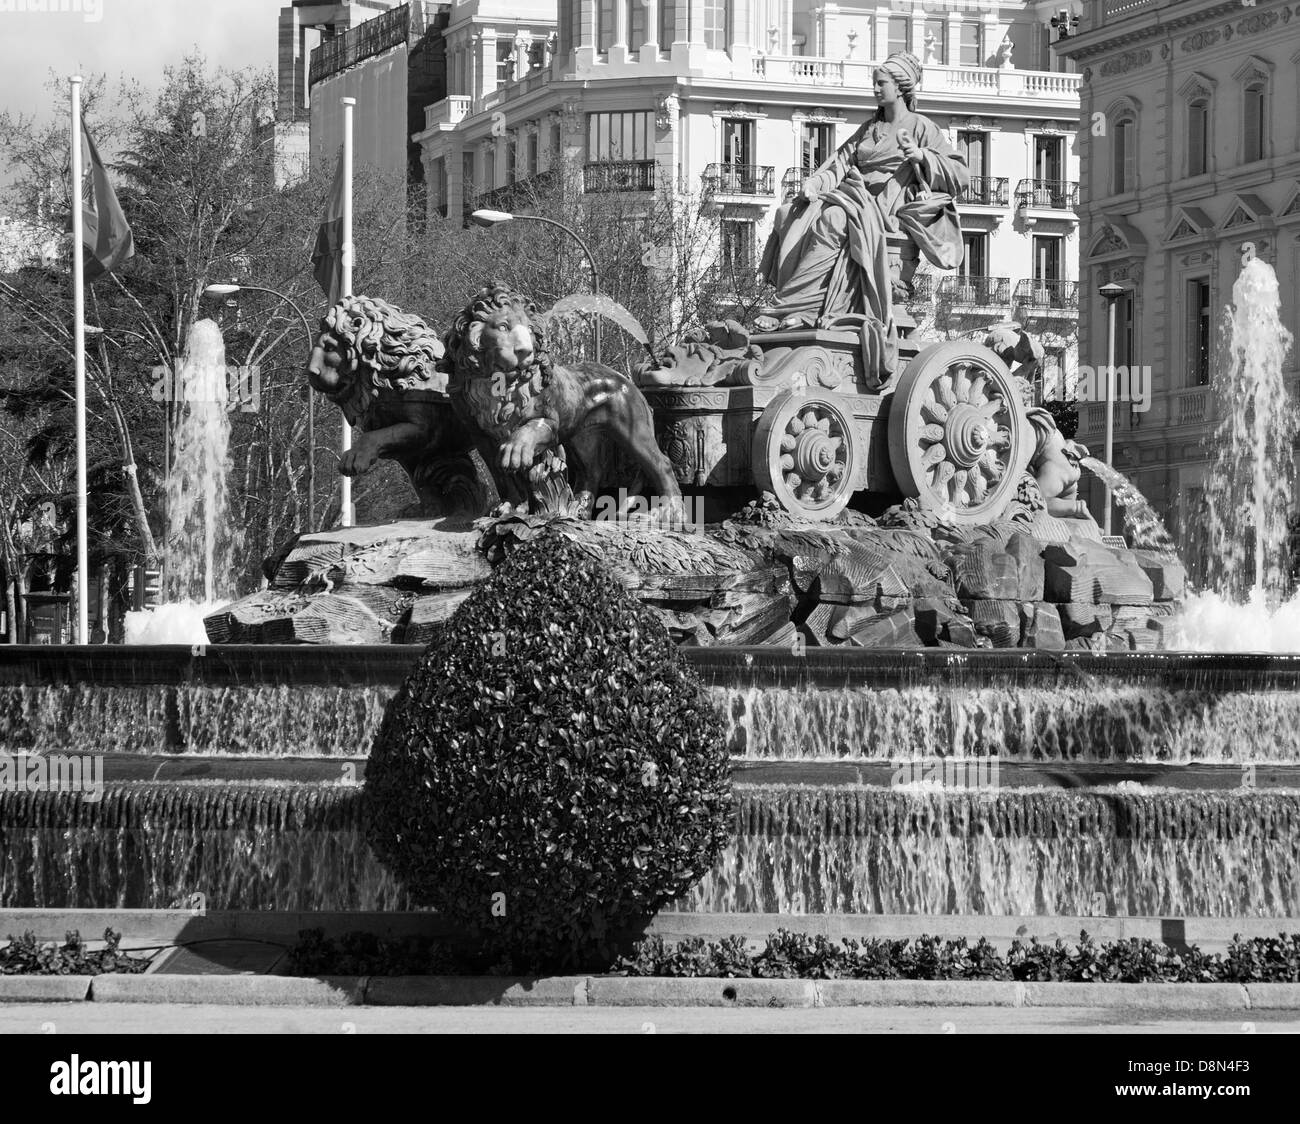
540	416
386	370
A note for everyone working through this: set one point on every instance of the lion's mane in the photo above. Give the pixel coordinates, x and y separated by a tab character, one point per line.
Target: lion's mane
396	349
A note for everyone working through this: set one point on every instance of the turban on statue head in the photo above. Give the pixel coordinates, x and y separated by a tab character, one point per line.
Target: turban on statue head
905	68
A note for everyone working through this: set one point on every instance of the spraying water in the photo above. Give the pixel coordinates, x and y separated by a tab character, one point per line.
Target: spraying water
1250	487
198	557
1249	492
1146	530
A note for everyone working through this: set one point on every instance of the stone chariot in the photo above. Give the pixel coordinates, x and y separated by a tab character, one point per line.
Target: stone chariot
805	415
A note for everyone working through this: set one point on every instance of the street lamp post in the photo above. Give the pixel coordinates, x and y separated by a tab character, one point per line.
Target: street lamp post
227	290
495	218
1110	293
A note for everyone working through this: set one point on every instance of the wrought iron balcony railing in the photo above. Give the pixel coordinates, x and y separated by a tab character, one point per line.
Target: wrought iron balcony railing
983	292
988	191
619	175
791	183
1036	293
739	179
1051	195
518	195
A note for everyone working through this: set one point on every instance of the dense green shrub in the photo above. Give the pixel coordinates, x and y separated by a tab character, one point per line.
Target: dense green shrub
28	956
551	772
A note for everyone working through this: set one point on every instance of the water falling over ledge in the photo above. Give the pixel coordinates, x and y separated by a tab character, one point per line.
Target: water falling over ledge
794	850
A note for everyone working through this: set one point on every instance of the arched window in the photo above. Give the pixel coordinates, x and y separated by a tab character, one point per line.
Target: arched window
1124	153
1254	123
1198	136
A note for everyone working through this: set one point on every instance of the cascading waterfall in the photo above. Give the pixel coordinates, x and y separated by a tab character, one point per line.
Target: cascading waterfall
1124	851
198	554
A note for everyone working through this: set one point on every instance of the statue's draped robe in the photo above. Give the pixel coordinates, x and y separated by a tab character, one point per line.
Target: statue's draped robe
829	258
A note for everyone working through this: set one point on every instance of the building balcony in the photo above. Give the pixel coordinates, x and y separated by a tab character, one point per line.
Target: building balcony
979	81
987	191
991	294
519	195
1193	406
619	175
1047	195
740	182
791	183
450	111
1051	298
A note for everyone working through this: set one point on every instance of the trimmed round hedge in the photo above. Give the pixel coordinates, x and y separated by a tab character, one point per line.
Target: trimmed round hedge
551	773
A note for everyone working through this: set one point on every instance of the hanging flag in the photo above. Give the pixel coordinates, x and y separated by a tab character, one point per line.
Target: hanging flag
106	236
327	257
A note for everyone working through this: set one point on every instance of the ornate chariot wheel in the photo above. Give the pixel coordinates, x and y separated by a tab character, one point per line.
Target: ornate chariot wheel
959	437
806	453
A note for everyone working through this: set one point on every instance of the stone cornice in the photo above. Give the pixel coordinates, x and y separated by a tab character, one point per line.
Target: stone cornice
1155	25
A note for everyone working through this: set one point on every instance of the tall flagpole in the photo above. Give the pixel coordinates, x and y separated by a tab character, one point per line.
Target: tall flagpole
79	341
346	443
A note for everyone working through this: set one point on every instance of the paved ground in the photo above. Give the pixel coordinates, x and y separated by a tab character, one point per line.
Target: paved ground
119	1018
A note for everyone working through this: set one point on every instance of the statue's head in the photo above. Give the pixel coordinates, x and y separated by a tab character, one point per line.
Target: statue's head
901	71
498	330
1049	441
368	339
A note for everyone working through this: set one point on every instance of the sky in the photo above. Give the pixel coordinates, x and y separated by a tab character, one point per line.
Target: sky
123	38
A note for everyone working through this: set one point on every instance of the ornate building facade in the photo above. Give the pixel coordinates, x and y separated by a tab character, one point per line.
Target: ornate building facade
737	100
1191	143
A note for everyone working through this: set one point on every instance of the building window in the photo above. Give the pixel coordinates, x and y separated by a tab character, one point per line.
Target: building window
1124	329
936	42
818	146
512	157
737	141
532	153
604	25
1125	154
1047	258
438	182
975	260
1047	158
900	34
737	249
1198	137
972	37
557	146
635	26
489	180
467	190
1053	377
667	24
1200	334
974	146
505	61
1255	124
619	136
716	17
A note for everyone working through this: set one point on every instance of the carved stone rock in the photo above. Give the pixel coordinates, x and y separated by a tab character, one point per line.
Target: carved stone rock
983	570
1083	571
1167	575
1040	626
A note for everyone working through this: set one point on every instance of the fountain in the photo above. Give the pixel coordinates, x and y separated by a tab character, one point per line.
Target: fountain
1248	497
199	546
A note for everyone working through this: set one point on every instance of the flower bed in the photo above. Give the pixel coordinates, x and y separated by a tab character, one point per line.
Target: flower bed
788	955
27	956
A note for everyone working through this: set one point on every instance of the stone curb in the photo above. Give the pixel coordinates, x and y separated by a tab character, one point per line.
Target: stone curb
475	991
237	991
44	989
652	991
639	991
